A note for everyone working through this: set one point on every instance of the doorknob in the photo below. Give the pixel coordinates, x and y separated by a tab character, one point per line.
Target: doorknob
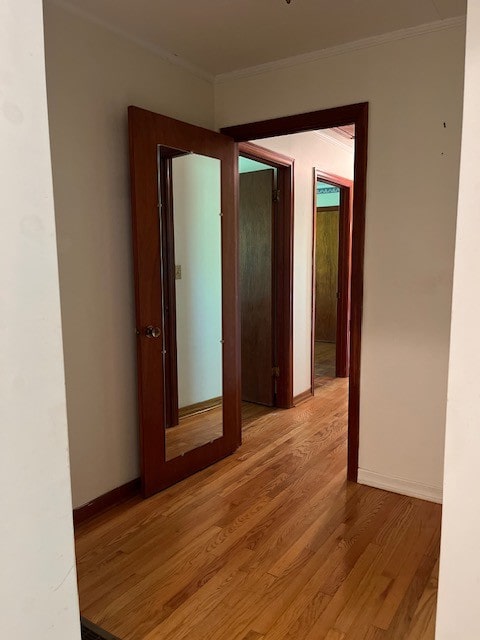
153	332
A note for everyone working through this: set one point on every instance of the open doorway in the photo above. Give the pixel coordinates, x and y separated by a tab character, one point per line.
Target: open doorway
335	118
331	275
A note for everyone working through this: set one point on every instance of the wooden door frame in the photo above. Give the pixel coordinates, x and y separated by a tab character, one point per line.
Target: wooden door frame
282	264
356	114
342	347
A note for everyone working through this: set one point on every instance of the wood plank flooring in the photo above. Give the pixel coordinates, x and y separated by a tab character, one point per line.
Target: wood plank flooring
269	544
202	427
325	362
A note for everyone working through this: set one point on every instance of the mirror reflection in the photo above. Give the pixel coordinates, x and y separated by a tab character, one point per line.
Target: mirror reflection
191	244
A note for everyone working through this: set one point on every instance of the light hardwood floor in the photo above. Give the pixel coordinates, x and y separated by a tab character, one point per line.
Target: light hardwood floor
269	544
206	426
325	354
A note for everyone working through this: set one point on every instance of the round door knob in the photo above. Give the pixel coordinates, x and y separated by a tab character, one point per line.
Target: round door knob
152	332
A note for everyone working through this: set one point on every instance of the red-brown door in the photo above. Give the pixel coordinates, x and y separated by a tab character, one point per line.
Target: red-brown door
257	285
153	139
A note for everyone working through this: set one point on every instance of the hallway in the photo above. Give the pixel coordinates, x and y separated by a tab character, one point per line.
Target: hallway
271	543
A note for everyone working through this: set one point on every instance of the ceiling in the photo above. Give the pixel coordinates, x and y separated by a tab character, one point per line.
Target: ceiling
220	36
341	136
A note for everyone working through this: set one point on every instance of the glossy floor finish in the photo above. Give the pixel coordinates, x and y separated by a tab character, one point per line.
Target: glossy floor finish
205	426
269	544
324	363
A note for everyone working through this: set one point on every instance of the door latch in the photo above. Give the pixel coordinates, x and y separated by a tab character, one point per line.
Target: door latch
153	332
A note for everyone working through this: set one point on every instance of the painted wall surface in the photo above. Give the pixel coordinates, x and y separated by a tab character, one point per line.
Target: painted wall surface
328	196
309	151
197	206
38	588
92	77
245	165
414	87
459	586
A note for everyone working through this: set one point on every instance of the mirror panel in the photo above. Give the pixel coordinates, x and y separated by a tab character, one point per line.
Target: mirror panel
193	209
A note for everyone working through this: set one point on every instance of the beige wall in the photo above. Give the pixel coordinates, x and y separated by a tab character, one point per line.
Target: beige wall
38	589
459	589
198	294
414	86
92	76
309	151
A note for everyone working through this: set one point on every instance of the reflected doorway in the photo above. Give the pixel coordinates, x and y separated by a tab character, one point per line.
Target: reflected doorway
326	280
331	275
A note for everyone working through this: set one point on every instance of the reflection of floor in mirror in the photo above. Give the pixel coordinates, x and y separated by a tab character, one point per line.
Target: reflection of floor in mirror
196	430
193	431
325	354
271	542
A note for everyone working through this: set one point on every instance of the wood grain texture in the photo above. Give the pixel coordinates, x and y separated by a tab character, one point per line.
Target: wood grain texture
271	543
326	276
283	265
193	431
301	397
324	364
257	285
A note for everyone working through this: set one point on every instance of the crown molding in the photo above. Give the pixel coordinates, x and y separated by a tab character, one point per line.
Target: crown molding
325	135
366	43
168	56
172	58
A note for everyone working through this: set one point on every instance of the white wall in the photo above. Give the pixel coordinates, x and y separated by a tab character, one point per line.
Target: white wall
309	151
197	207
414	86
38	578
459	588
92	77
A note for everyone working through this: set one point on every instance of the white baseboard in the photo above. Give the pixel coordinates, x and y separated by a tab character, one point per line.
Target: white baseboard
399	485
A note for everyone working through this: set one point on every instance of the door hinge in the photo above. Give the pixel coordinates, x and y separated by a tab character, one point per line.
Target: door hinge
276	372
276	195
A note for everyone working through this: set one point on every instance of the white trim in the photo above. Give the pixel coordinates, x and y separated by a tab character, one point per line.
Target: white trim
399	485
345	146
168	56
402	34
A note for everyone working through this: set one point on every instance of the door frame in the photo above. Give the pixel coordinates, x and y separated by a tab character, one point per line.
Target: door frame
356	114
342	345
282	264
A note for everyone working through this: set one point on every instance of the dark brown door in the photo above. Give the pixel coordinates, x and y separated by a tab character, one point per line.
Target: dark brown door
153	137
326	276
256	285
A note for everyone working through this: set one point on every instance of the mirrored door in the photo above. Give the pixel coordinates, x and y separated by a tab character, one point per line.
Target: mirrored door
186	273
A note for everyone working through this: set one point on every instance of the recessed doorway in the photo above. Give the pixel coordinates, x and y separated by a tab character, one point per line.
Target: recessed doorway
331	275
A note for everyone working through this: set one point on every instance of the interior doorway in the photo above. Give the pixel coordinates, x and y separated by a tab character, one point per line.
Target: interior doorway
331	275
357	115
